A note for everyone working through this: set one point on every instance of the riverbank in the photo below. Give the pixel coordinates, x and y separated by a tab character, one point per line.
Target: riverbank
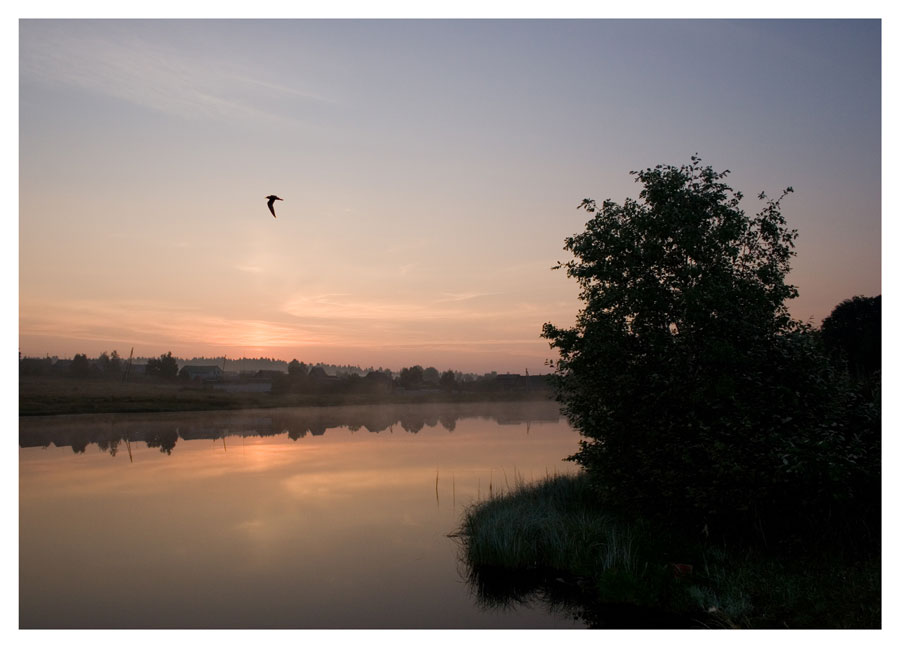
553	542
43	396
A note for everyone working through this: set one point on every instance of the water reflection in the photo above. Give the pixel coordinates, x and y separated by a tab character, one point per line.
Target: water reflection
294	518
163	431
562	595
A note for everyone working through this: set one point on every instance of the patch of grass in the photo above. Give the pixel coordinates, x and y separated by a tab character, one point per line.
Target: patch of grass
552	524
547	538
553	532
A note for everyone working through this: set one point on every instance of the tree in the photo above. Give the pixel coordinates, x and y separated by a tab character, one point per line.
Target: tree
297	370
412	377
164	367
431	376
115	366
110	364
852	332
80	366
448	380
378	382
691	385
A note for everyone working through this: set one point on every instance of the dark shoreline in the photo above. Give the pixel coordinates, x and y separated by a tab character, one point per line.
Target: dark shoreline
50	397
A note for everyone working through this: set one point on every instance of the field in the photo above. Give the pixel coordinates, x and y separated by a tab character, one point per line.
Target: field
51	395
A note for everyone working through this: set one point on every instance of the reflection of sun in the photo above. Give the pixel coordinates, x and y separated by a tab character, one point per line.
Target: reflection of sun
344	484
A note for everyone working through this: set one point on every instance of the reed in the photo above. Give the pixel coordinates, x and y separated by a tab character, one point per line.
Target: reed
453	486
553	524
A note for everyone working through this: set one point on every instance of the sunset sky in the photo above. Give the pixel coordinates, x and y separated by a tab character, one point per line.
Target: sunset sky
430	172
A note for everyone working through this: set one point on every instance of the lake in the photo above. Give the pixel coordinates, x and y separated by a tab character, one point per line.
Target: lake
330	517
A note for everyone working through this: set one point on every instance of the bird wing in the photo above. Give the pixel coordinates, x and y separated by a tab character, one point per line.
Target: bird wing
271	207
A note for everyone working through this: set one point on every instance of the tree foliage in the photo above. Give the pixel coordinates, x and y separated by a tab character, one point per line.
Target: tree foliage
448	380
166	366
297	370
80	365
110	365
698	397
412	377
852	333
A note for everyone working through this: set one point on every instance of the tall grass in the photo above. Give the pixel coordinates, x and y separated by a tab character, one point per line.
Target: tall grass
553	524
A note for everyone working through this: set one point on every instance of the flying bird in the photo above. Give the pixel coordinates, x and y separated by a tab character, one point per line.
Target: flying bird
271	203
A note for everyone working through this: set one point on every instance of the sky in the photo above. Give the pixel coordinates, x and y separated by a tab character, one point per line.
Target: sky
430	172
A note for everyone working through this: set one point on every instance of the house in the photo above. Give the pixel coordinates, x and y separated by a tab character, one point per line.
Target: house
318	375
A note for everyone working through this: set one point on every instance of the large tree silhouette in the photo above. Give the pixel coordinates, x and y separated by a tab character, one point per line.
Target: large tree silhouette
698	397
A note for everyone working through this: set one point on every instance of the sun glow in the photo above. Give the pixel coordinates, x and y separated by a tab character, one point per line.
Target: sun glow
418	226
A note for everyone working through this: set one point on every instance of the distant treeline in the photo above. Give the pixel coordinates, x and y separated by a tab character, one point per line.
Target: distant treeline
113	363
277	376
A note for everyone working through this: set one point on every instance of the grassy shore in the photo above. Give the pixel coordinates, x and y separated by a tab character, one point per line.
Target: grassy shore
48	396
552	541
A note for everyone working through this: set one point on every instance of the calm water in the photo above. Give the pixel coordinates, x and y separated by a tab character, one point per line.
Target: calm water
293	518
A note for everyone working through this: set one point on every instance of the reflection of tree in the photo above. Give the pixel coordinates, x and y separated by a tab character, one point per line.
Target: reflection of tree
163	439
412	424
163	430
109	445
296	433
448	422
503	589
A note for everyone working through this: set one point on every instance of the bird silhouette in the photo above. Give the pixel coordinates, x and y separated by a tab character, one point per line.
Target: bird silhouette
271	203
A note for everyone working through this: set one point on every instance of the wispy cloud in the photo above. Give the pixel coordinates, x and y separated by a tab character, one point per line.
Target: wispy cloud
460	319
174	81
458	297
329	324
148	323
349	307
277	87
